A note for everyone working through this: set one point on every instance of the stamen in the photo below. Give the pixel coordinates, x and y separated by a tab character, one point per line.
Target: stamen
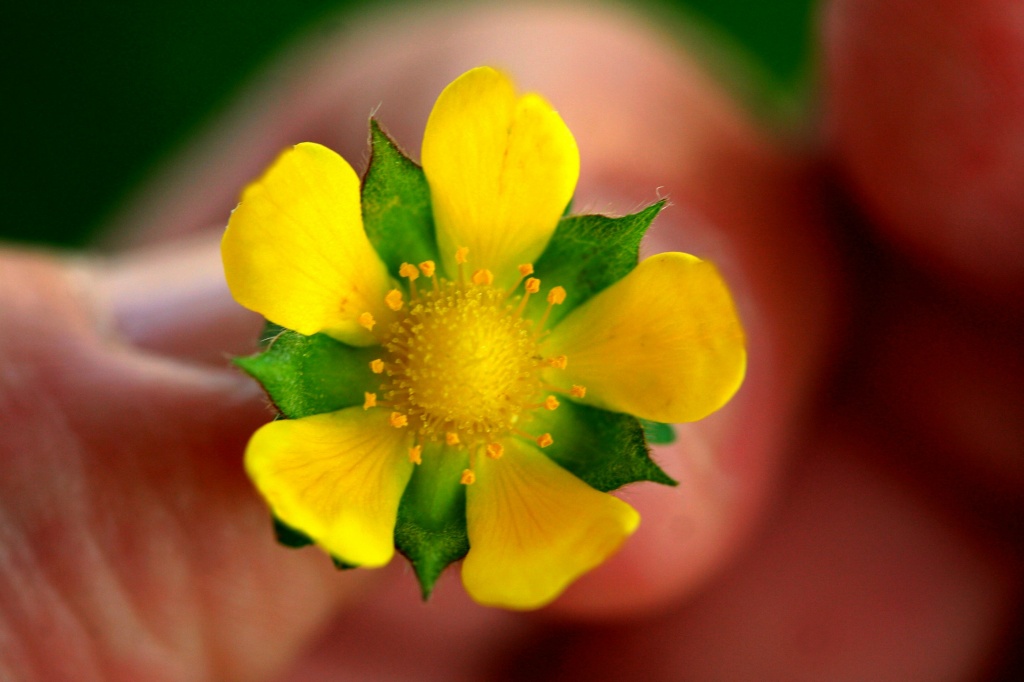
578	391
451	438
495	450
545	440
551	403
366	320
556	296
429	269
416	454
532	287
525	270
483	277
461	255
398	420
394	298
558	362
409	271
468	477
377	366
370	400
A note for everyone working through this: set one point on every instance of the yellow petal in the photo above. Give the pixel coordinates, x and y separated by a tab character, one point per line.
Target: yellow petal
336	477
501	171
663	343
295	250
534	528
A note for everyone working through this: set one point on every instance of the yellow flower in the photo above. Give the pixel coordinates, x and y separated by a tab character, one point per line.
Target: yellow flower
466	363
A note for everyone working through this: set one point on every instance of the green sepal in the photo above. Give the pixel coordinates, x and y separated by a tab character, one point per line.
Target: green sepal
605	449
288	536
588	253
397	212
307	375
431	528
658	433
341	565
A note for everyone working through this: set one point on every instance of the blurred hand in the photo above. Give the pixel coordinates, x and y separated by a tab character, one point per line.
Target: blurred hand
851	514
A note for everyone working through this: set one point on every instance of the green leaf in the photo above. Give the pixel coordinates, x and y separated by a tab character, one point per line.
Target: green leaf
397	213
288	536
306	375
588	253
431	528
658	433
341	565
605	449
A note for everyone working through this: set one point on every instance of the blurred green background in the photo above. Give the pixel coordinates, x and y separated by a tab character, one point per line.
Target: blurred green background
99	93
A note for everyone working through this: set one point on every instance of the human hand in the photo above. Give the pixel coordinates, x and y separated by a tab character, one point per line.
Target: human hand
808	538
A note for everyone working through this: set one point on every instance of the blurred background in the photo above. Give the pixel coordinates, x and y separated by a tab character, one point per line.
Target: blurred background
99	93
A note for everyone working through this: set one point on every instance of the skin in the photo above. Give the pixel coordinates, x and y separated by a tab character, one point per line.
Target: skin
849	515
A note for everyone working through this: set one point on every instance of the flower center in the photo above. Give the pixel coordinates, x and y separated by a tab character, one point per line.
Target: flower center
462	364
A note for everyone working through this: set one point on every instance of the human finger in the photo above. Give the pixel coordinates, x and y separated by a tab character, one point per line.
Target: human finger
132	542
861	574
924	106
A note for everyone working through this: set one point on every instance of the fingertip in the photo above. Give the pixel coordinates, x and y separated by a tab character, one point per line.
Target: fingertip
925	114
172	300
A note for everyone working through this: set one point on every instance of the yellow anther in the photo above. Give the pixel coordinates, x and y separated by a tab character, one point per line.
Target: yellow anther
558	362
398	420
556	296
495	450
551	402
366	320
416	454
461	254
428	268
377	366
394	299
483	277
468	477
408	270
370	400
526	269
578	391
532	285
451	438
545	440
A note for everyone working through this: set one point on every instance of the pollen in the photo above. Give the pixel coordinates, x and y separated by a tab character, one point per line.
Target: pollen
468	477
578	391
545	440
559	362
394	297
556	296
463	363
409	271
483	277
369	401
366	320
